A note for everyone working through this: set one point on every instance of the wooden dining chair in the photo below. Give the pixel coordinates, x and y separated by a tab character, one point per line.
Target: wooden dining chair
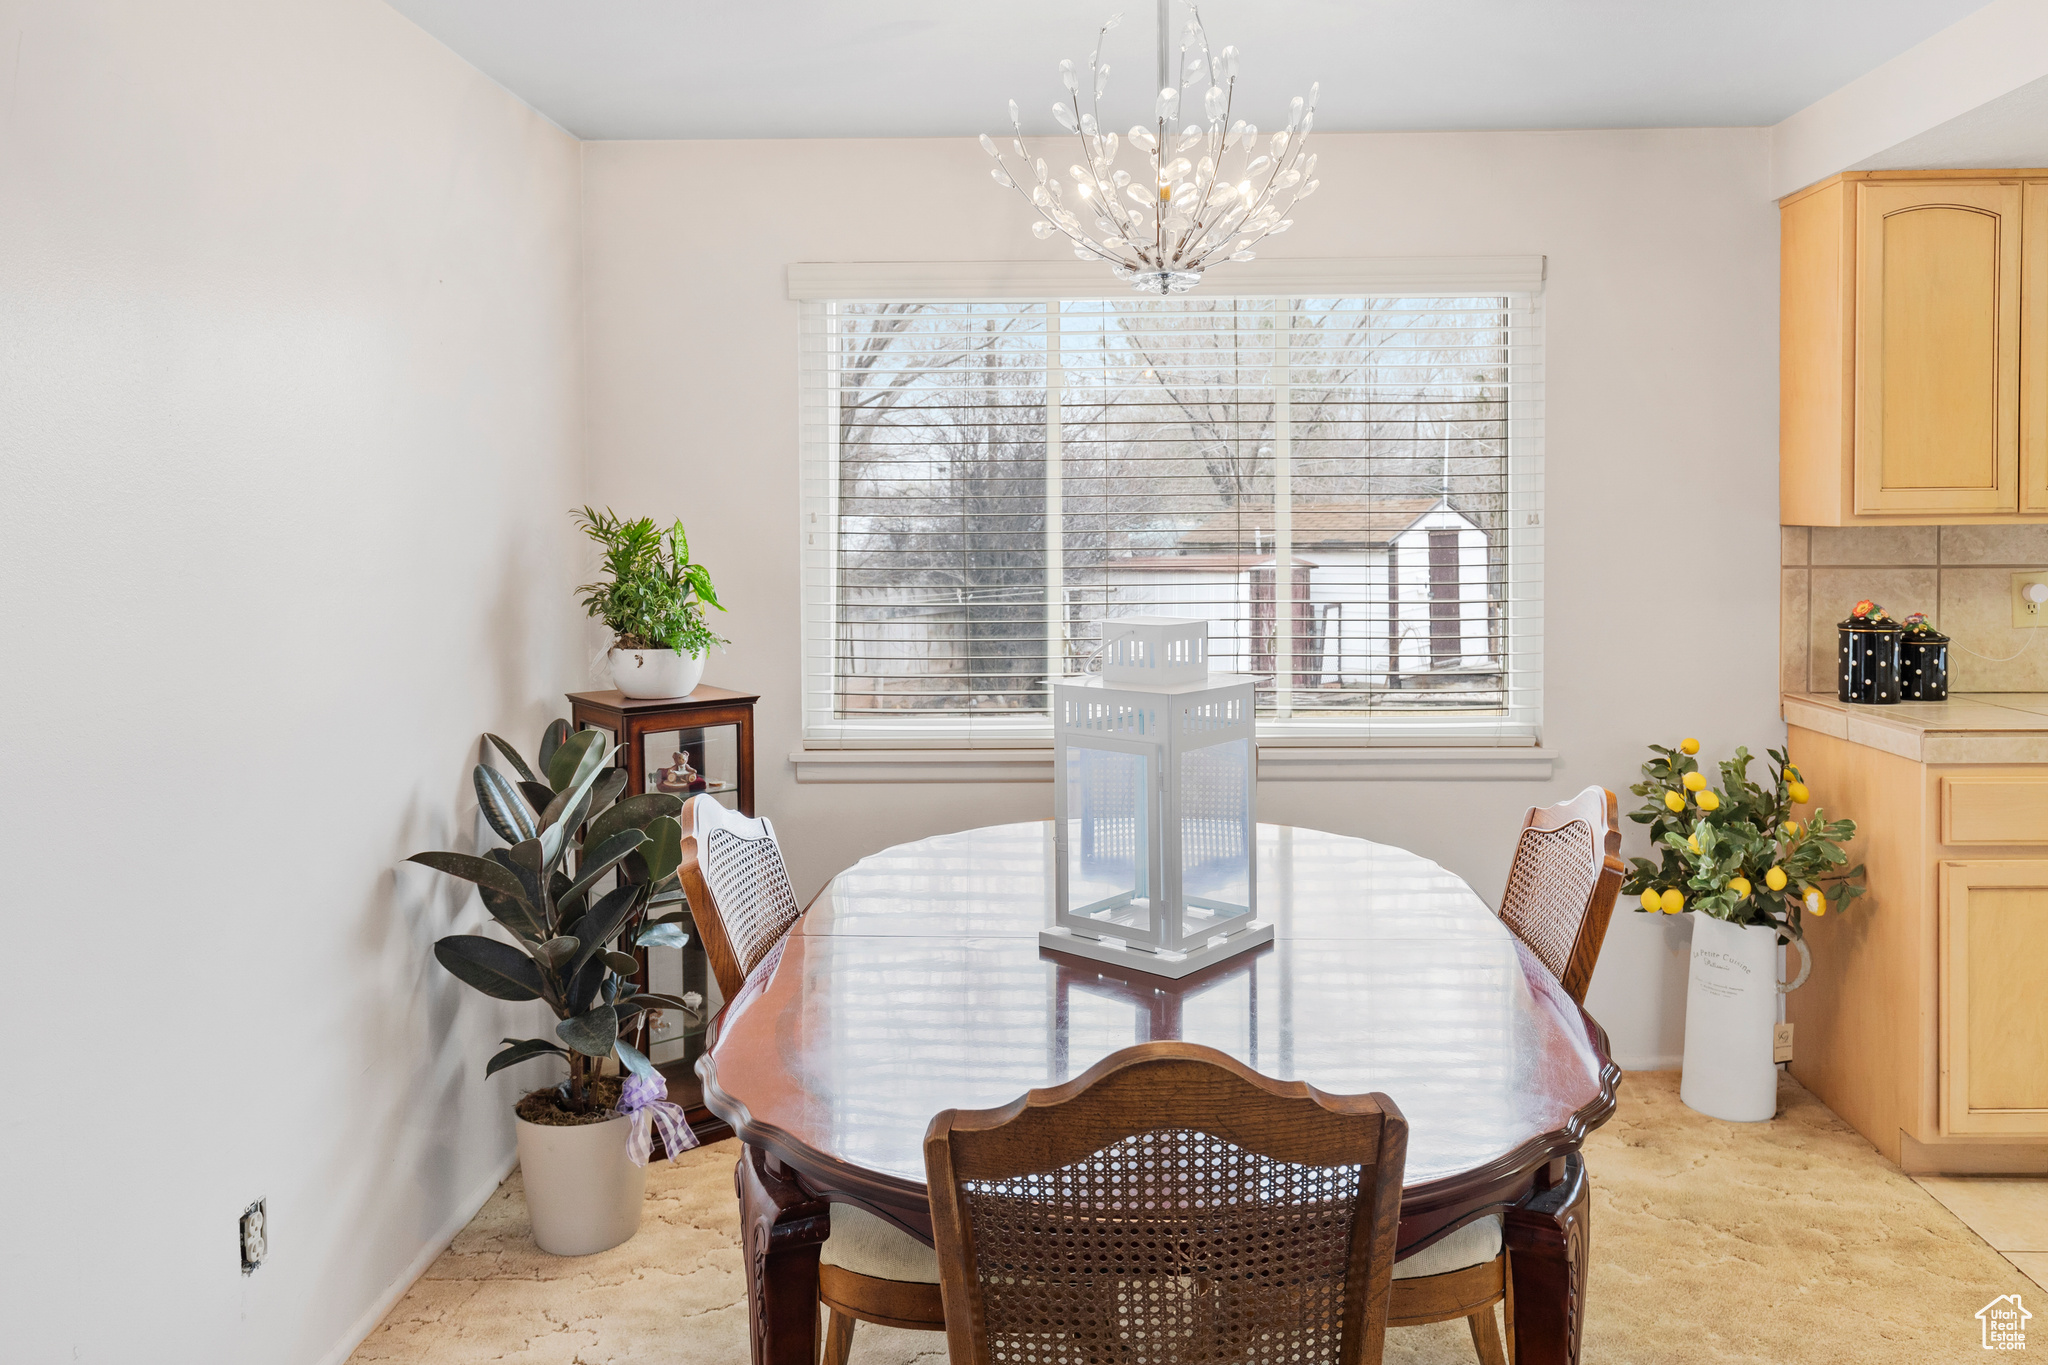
1169	1204
1560	895
1563	883
740	896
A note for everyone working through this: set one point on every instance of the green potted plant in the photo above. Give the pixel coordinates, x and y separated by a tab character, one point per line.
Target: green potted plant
652	598
1748	870
582	873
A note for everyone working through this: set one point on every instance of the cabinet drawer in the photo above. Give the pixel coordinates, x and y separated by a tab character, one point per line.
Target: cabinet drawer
2003	808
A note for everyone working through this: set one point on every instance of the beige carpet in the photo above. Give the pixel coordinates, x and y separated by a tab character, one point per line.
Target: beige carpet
1786	1241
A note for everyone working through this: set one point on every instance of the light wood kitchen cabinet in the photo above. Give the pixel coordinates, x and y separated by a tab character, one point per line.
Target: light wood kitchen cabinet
1925	1022
1914	349
1994	997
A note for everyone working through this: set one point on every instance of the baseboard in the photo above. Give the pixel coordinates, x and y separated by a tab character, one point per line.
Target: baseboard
464	1211
1647	1062
1971	1158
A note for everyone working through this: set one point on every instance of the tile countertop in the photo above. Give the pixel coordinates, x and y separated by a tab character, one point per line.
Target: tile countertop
1970	727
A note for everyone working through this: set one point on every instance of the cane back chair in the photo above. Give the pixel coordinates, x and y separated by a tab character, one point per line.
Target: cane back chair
1169	1205
742	901
1562	885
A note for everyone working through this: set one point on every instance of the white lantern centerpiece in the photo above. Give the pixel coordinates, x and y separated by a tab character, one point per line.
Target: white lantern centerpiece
1153	826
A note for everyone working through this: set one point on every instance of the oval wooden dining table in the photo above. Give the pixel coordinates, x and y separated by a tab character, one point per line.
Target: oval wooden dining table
914	982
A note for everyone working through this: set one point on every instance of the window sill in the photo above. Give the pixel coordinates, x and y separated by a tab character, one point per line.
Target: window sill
1277	763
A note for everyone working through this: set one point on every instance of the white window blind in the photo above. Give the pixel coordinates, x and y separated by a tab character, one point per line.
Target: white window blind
1347	488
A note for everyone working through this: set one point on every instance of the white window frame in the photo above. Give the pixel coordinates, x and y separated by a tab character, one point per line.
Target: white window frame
1018	747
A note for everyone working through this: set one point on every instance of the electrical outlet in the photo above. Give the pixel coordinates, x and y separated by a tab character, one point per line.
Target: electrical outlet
255	1237
2030	599
1781	1043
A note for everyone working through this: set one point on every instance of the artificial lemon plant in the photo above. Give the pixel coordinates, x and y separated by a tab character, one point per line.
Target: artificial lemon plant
1737	852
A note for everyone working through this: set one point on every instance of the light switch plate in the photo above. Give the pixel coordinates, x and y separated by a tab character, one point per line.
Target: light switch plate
2029	615
1781	1043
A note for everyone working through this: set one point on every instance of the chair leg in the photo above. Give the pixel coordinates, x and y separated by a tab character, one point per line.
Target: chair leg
1486	1337
838	1338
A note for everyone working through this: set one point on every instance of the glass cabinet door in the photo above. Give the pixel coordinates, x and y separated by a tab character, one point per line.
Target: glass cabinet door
687	762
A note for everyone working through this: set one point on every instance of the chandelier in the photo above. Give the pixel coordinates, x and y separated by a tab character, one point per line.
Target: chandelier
1161	228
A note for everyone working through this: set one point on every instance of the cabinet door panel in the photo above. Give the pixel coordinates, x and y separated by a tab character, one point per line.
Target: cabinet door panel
2034	352
1994	1005
1937	358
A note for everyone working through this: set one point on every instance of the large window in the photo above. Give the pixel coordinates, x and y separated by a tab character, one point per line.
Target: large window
1345	488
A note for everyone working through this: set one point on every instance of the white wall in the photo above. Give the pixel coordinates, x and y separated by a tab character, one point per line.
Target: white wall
288	428
1662	420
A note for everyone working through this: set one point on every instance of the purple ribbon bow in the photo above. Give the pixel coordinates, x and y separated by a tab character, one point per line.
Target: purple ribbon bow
645	1101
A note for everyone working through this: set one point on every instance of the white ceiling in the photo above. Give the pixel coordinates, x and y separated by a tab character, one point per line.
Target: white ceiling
947	68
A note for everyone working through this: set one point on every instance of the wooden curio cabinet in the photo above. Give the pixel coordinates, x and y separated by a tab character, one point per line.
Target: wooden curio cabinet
702	743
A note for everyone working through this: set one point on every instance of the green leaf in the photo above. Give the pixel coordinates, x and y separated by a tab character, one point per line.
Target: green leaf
662	936
573	760
495	968
584	985
539	795
635	812
551	739
564	804
654	1000
625	964
601	925
593	1034
482	871
522	1049
512	756
601	859
673	896
529	884
610	783
559	949
514	913
634	1060
503	806
664	851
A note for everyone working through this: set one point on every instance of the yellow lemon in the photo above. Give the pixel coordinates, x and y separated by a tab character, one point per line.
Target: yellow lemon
1709	801
1688	746
1792	771
1674	800
1791	830
1694	782
1775	879
1798	792
1816	903
1652	902
1692	841
1673	901
1739	885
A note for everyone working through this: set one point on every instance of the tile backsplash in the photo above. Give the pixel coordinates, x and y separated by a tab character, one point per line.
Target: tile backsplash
1961	576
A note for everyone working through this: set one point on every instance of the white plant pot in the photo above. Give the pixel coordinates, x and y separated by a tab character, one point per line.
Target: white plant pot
656	672
584	1192
1731	1012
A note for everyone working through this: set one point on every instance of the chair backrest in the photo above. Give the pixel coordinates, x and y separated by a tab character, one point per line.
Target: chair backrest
1169	1205
738	888
1561	887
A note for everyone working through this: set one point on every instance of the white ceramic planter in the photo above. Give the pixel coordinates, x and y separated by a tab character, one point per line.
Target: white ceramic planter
656	672
584	1192
1731	1011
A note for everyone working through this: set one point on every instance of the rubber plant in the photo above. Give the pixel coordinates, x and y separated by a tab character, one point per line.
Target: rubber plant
567	835
1736	852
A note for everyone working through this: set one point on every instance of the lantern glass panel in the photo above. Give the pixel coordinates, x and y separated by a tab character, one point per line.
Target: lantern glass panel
1109	856
1215	836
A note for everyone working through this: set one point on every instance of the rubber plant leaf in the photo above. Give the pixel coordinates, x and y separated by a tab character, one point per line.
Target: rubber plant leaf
552	739
503	806
514	860
538	795
633	813
653	1000
559	949
609	784
566	797
496	969
566	767
555	828
522	1049
664	850
601	925
512	756
583	985
661	936
634	1060
469	867
625	964
514	913
593	1034
602	858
